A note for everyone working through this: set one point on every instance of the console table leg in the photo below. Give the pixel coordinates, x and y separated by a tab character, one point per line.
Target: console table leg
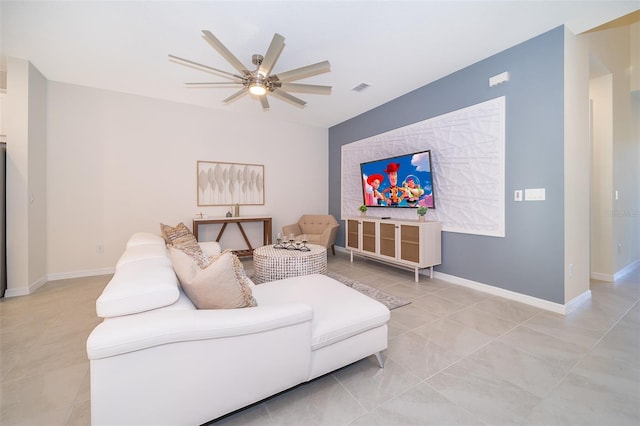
246	240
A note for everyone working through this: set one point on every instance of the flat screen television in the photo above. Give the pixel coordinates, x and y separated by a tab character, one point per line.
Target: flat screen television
401	181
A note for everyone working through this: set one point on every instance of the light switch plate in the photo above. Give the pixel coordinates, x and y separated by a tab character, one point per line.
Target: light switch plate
534	194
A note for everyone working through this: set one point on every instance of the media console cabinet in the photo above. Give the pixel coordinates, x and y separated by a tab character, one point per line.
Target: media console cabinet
406	243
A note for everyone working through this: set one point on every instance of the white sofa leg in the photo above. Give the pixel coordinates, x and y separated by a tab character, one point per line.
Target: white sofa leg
380	360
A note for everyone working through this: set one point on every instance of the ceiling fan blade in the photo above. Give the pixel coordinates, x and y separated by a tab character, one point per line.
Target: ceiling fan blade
288	98
304	72
202	67
264	102
236	95
213	83
272	55
226	53
306	88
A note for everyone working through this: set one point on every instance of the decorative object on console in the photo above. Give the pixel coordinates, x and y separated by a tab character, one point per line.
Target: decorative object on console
230	184
422	211
363	210
260	82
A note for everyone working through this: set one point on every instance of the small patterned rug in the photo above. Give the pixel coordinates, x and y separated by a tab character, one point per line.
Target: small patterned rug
386	299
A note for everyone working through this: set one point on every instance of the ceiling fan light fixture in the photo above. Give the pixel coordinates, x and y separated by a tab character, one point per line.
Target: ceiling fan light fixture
259	81
257	89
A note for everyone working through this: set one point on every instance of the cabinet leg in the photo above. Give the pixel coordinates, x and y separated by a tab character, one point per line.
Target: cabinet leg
351	256
417	275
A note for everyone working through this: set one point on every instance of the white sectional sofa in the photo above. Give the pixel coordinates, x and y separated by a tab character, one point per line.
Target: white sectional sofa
157	360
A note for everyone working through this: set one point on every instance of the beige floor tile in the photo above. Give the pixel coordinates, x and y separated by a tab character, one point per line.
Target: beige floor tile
419	406
372	385
584	365
320	402
453	336
558	352
419	355
519	368
492	399
482	321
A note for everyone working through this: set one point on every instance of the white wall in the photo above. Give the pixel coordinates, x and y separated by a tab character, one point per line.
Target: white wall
619	215
602	178
120	163
26	177
577	159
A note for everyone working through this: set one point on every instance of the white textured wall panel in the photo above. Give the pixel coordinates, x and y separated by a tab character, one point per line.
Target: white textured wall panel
467	148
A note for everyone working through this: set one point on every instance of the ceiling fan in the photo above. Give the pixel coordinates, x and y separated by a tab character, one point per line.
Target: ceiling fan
259	81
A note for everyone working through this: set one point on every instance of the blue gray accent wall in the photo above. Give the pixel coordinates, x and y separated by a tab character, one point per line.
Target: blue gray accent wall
530	258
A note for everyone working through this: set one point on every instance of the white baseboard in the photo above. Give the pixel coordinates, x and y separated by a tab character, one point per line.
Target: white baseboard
507	294
610	278
572	304
81	274
602	277
625	270
25	291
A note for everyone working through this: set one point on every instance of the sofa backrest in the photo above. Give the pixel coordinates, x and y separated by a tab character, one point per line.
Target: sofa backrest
144	279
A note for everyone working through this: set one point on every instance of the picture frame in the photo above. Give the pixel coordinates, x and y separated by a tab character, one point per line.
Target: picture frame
227	184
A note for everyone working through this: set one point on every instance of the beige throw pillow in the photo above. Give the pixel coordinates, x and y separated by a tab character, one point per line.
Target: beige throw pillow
181	238
221	285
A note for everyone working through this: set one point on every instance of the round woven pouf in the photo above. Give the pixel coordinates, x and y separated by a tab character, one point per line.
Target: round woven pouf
272	264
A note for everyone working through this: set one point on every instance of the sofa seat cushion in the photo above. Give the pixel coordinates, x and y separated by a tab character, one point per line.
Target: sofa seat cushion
339	312
139	286
313	238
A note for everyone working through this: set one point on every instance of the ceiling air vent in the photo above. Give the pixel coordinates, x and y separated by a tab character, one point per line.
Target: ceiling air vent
360	87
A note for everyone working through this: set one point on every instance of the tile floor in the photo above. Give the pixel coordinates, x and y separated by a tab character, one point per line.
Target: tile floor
456	357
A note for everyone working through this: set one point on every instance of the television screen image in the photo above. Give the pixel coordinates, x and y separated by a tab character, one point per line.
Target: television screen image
401	181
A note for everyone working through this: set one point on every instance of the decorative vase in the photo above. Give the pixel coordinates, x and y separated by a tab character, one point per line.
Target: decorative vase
363	214
421	218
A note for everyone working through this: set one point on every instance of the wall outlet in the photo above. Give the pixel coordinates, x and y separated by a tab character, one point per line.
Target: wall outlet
99	248
517	195
571	270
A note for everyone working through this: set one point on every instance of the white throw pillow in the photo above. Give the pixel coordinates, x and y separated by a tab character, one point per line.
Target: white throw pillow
221	285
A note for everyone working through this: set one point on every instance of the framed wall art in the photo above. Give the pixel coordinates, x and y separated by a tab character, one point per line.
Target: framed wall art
225	184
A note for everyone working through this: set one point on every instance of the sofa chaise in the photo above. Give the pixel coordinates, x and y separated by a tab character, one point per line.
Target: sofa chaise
157	360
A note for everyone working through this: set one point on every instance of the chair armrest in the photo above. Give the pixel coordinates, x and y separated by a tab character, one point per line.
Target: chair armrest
120	335
291	229
329	235
332	229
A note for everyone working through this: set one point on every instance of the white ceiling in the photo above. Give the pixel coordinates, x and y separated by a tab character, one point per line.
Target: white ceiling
395	46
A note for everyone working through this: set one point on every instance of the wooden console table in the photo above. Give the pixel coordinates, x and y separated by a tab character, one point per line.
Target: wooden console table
266	230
